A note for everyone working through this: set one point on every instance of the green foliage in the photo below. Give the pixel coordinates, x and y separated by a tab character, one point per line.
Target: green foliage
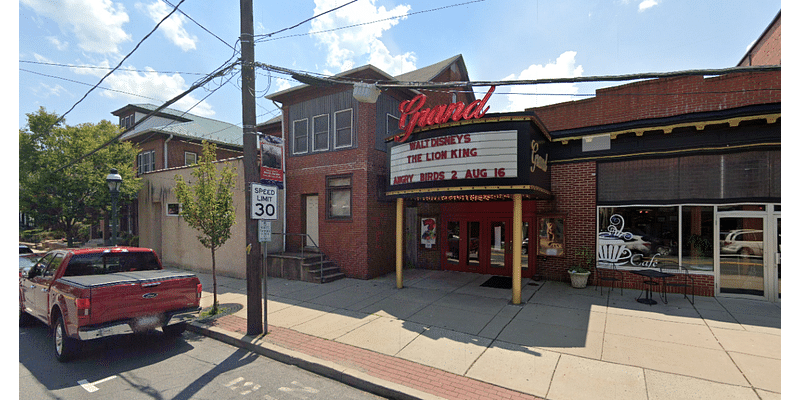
207	204
63	199
584	260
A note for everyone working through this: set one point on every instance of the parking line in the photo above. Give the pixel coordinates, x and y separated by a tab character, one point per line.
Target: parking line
90	386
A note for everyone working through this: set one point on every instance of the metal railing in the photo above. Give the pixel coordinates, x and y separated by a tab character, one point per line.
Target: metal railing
304	239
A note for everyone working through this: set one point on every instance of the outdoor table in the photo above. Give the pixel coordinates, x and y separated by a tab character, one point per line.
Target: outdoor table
652	274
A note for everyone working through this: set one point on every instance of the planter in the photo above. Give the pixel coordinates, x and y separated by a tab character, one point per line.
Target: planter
579	279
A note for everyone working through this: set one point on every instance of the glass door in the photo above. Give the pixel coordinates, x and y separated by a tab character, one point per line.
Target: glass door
500	254
740	255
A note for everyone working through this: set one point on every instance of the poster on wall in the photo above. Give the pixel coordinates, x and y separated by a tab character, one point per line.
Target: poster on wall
428	229
551	236
271	148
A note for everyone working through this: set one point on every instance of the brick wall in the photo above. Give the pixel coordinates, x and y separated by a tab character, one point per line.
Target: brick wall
574	187
647	99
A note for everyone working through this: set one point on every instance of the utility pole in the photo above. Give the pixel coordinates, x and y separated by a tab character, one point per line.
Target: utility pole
251	174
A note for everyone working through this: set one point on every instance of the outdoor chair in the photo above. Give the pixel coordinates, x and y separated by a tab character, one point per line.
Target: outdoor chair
682	279
608	274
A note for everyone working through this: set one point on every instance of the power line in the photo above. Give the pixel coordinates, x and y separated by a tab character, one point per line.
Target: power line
120	63
108	68
87	84
217	73
268	38
202	27
319	79
309	19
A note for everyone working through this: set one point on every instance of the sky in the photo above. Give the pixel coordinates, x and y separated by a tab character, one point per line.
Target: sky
65	47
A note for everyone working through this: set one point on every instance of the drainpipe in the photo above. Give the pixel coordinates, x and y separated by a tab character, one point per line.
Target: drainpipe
283	167
165	150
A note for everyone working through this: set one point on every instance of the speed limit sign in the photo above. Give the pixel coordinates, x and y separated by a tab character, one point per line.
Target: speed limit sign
263	202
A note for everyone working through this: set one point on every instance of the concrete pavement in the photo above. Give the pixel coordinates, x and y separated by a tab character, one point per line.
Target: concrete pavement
445	336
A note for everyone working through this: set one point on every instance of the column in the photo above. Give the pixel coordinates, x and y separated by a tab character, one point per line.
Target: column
516	273
399	243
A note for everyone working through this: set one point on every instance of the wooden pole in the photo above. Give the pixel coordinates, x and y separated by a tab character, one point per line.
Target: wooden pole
516	274
399	244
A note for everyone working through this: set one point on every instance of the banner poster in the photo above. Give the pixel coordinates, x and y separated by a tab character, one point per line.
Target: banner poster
271	160
428	237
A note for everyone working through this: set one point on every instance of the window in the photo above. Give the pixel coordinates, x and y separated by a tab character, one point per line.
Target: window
173	209
300	136
343	136
339	190
189	158
126	121
145	162
320	126
649	233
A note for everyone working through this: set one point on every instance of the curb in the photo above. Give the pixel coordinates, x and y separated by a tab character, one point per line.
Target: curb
330	370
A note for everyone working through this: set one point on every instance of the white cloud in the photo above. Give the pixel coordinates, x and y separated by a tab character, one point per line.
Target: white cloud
541	95
148	86
44	91
647	4
42	59
59	45
97	24
348	47
172	28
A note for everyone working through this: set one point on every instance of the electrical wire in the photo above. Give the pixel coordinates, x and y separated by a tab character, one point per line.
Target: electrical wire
61	118
217	73
87	84
268	38
108	68
202	27
309	19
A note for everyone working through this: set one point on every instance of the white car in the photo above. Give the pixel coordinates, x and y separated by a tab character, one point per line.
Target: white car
742	241
635	243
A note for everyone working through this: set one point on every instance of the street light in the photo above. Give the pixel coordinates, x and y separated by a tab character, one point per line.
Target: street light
114	181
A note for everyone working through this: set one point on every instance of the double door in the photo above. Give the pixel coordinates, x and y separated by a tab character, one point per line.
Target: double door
481	244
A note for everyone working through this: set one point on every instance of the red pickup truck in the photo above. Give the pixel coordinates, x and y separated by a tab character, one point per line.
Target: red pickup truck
84	294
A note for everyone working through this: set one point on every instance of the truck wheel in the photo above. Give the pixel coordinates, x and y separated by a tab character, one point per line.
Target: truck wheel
174	330
65	346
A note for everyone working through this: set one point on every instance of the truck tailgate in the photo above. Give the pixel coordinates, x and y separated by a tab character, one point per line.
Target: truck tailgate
125	295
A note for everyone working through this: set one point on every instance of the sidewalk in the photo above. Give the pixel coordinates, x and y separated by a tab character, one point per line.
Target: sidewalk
445	336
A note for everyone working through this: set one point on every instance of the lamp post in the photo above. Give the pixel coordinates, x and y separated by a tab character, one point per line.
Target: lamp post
114	181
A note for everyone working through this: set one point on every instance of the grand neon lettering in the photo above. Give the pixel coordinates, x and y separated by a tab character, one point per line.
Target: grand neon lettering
412	115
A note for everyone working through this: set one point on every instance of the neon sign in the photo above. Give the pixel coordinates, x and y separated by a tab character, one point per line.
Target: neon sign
413	115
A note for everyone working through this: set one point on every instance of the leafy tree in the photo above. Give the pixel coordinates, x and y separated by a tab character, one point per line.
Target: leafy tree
64	199
207	204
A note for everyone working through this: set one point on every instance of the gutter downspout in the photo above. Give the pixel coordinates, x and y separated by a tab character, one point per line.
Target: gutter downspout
283	168
165	150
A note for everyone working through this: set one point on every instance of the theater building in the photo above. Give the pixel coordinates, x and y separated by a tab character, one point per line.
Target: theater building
680	173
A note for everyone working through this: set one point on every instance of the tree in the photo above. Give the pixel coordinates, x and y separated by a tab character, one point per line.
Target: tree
207	204
62	199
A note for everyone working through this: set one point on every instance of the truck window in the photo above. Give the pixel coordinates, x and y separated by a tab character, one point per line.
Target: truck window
53	266
109	263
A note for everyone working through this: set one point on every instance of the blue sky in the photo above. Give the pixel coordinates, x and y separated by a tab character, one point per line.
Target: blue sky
66	46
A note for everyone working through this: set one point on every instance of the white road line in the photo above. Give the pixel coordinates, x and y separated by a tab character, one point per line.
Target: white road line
90	386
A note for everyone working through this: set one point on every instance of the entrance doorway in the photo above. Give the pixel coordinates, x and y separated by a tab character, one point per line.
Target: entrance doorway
483	244
311	217
747	260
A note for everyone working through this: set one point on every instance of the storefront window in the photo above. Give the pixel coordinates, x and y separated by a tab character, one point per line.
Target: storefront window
697	238
639	236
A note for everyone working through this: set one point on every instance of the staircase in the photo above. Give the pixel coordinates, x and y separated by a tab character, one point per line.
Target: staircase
319	269
310	265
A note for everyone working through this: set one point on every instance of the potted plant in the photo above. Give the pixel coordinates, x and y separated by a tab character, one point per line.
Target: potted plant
579	273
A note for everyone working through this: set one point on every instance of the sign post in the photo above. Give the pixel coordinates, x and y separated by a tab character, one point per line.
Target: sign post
263	207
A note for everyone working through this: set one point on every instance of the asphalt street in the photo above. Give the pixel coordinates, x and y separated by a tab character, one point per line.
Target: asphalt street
154	366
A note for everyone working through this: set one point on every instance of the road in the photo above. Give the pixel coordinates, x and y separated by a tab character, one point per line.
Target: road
153	366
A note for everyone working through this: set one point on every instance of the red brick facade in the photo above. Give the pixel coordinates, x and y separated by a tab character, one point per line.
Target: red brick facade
654	99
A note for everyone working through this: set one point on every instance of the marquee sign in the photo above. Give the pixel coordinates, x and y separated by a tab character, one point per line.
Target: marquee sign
412	115
460	156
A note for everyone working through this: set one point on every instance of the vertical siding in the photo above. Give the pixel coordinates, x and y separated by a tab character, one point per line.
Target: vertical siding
323	105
